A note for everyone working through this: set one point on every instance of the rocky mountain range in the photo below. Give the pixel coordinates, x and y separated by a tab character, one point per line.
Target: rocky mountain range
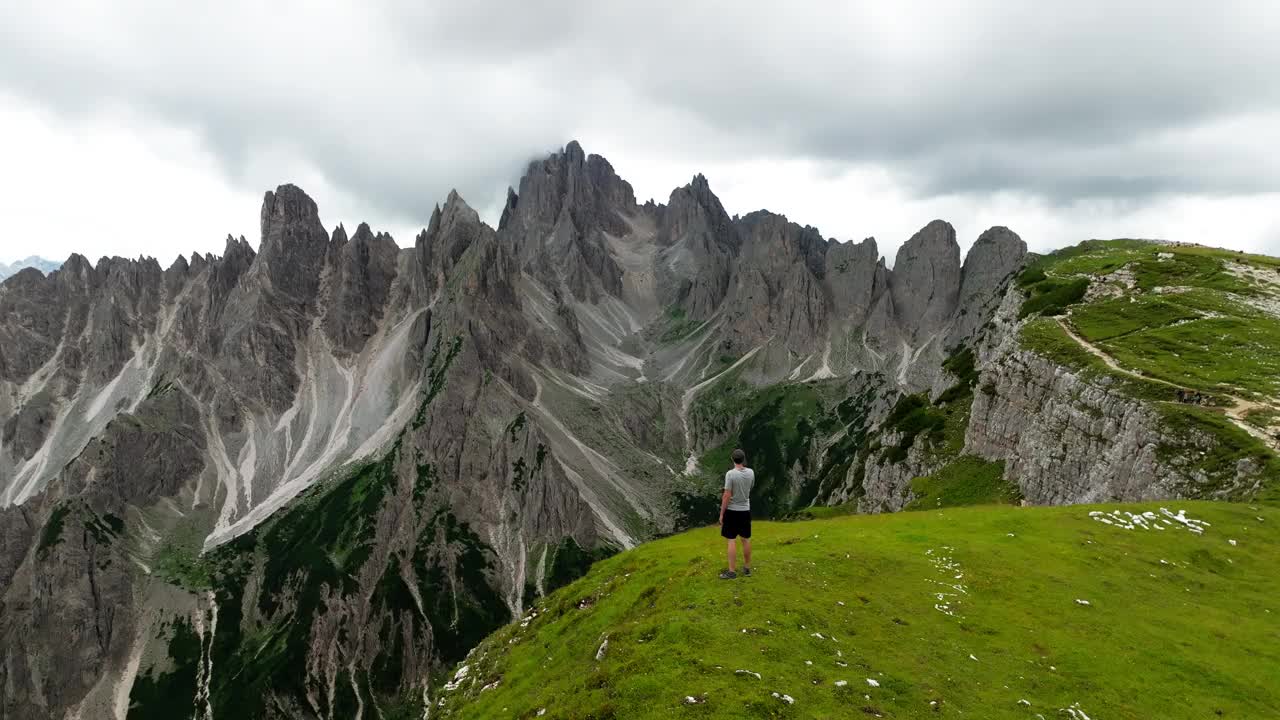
297	481
33	261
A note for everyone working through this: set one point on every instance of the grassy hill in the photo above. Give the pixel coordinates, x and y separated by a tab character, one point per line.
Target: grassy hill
1194	329
965	612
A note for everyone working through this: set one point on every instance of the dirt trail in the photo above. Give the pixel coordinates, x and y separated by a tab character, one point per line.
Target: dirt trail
1235	413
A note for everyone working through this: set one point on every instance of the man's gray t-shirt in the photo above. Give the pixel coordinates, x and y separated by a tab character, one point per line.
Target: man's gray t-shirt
739	483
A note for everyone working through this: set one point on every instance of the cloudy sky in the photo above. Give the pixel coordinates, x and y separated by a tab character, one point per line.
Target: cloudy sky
131	128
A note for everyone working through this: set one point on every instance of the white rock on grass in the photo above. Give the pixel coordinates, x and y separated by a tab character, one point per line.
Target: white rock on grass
1075	712
691	700
785	698
971	657
1233	543
1081	602
747	672
604	647
873	683
458	678
841	683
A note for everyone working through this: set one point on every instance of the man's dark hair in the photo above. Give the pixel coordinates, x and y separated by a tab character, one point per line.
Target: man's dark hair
739	457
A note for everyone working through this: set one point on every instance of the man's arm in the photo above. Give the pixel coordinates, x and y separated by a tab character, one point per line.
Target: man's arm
724	503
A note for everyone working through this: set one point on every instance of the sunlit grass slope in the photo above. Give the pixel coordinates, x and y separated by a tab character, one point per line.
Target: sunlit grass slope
966	612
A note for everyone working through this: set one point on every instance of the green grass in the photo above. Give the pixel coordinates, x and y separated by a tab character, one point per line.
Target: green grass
1221	354
1051	296
178	561
1198	333
1262	418
1178	625
823	512
677	326
1047	338
913	416
1224	446
1121	316
967	480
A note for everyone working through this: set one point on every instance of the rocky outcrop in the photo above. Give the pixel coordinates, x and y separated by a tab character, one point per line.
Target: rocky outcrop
270	309
993	259
925	284
557	222
776	291
1066	438
698	243
857	278
360	282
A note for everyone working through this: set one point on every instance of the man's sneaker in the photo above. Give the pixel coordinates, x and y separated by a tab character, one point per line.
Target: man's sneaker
728	575
746	571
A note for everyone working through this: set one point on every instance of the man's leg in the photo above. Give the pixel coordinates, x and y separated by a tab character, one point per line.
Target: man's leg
746	553
733	554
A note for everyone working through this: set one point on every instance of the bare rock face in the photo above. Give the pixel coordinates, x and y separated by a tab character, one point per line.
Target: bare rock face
926	280
294	243
856	278
699	242
558	221
777	288
1067	439
360	282
271	307
996	254
993	259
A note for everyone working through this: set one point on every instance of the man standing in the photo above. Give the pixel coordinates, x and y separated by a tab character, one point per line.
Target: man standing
735	513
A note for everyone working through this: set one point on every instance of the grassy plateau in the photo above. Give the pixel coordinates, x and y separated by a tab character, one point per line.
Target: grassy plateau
980	612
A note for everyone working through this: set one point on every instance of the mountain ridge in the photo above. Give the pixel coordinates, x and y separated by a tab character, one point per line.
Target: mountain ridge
459	426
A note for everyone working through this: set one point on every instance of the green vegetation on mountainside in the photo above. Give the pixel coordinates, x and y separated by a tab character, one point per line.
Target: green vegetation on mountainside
976	612
1181	314
1189	327
368	565
676	325
937	430
779	424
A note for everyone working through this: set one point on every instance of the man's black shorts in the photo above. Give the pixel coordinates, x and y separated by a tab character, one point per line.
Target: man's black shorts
737	523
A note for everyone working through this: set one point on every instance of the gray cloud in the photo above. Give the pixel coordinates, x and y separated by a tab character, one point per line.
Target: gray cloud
398	102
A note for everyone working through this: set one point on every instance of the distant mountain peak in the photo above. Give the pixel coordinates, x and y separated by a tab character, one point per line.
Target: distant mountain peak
31	261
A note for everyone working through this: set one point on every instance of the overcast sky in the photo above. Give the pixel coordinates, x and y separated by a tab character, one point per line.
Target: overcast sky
131	128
